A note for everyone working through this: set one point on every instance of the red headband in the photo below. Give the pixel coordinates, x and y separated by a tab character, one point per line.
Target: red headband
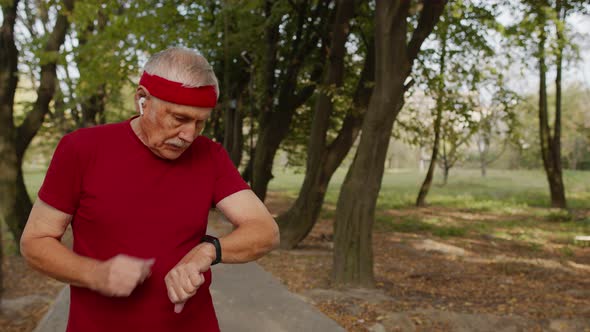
175	92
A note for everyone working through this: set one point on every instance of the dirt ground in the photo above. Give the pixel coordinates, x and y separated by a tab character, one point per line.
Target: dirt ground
27	295
423	283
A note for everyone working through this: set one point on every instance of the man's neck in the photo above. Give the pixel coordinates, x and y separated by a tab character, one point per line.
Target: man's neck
137	129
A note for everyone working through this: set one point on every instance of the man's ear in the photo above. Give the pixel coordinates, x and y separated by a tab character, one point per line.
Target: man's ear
141	92
140	105
140	95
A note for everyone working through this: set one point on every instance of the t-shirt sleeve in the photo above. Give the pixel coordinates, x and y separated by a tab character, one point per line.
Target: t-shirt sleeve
62	185
228	180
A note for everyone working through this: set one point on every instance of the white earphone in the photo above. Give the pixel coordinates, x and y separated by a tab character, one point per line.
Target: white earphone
140	104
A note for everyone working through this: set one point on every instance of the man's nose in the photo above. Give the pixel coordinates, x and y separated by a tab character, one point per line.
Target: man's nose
188	133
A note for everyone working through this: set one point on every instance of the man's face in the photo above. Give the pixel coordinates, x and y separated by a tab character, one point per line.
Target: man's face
169	129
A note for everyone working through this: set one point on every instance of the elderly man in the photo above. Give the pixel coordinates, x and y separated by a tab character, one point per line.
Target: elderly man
137	194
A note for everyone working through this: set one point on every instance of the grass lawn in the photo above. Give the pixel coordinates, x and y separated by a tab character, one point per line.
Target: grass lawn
507	204
466	188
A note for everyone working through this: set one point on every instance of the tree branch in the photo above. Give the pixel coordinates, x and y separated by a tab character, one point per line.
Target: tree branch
428	18
28	129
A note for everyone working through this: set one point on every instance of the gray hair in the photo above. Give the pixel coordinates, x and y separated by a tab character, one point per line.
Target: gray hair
183	65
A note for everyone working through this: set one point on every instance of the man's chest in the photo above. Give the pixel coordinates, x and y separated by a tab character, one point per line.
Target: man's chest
141	202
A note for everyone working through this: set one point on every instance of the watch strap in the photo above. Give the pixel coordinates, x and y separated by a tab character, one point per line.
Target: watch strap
215	242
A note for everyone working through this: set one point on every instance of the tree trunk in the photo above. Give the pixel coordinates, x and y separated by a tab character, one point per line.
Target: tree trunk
93	108
258	168
17	219
8	157
23	202
482	148
275	121
450	158
551	146
233	137
247	173
558	192
483	153
353	257
216	130
1	272
8	175
271	134
230	110
93	104
237	136
273	129
233	140
9	163
421	200
322	161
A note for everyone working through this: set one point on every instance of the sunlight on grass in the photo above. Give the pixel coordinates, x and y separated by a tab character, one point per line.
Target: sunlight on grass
414	225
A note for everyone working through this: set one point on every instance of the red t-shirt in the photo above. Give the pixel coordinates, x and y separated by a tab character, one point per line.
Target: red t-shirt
126	200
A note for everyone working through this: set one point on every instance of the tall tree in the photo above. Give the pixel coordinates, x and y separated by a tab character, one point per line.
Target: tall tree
550	141
296	42
353	258
91	96
440	82
15	200
8	82
543	29
461	49
235	77
324	156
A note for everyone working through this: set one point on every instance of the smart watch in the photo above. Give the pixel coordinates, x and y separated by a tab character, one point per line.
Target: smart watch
215	241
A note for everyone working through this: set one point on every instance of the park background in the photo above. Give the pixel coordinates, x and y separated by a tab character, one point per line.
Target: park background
427	161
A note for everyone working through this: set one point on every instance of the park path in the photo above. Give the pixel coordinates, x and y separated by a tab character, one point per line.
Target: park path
246	299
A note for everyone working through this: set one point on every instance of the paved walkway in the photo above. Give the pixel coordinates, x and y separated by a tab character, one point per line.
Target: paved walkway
246	298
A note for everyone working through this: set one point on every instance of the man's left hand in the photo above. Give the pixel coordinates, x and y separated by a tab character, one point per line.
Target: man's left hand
183	281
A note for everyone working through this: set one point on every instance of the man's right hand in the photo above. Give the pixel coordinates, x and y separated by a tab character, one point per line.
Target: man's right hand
119	275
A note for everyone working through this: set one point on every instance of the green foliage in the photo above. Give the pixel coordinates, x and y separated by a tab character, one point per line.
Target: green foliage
575	138
533	17
454	67
361	29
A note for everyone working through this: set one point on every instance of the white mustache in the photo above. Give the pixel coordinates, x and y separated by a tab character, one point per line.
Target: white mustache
178	143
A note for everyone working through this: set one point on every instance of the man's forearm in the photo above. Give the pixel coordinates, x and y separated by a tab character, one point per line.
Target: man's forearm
248	242
51	257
